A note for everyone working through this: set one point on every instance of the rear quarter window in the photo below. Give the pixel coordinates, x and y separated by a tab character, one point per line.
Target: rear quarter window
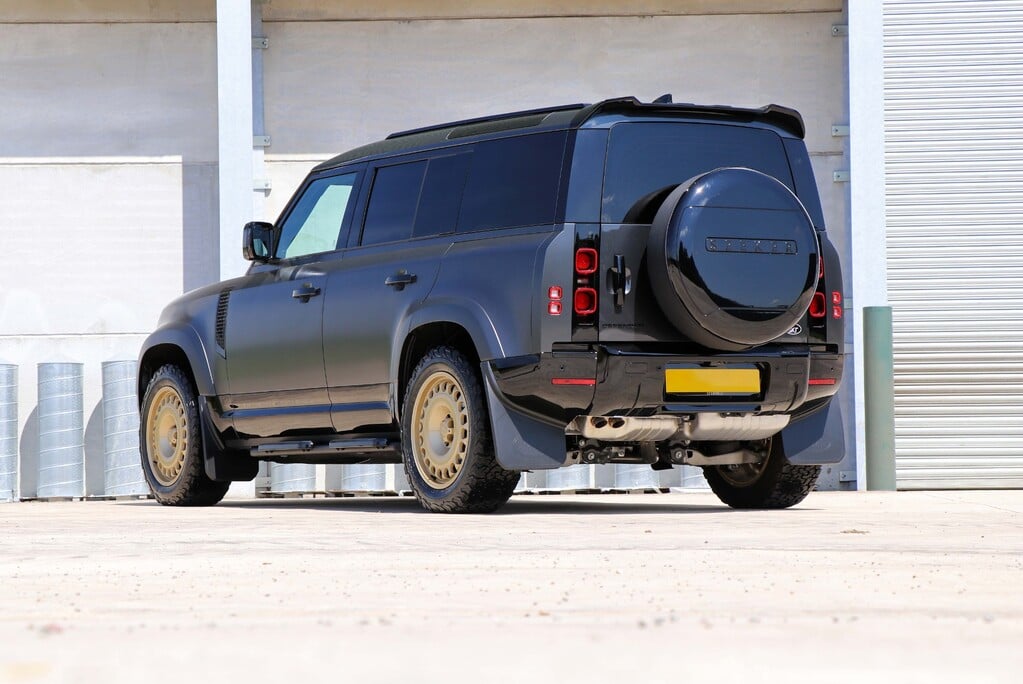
646	157
513	182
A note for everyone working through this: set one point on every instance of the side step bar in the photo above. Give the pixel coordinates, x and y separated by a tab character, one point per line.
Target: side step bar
310	448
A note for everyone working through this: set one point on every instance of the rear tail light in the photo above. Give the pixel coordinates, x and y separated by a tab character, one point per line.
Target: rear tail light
585	282
585	301
818	306
824	302
836	304
586	261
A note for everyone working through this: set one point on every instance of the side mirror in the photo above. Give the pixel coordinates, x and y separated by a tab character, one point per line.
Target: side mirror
258	240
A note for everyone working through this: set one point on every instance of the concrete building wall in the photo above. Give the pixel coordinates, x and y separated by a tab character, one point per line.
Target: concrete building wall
107	183
108	159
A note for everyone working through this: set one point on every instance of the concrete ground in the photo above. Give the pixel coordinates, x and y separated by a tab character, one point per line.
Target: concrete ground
865	587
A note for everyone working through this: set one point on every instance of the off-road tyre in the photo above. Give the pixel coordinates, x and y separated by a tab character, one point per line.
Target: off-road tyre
780	484
475	484
189	486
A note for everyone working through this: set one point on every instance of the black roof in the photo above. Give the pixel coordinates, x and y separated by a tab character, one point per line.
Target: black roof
561	117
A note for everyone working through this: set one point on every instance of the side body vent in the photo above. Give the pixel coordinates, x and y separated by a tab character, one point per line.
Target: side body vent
225	296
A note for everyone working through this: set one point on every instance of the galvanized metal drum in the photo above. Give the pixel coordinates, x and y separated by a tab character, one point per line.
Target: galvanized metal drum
122	468
292	478
8	431
61	431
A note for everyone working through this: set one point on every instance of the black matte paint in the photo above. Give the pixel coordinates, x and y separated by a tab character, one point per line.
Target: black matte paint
481	220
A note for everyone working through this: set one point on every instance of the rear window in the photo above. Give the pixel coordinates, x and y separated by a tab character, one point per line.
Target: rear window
643	158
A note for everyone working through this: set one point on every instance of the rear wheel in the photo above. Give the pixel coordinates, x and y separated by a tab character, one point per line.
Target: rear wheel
171	443
772	482
446	446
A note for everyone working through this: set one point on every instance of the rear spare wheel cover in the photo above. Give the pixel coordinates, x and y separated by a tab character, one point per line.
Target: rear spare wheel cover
733	258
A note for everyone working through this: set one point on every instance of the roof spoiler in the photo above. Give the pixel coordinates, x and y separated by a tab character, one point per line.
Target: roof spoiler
783	117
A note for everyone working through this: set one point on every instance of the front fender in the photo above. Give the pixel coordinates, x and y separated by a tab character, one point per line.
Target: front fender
185	338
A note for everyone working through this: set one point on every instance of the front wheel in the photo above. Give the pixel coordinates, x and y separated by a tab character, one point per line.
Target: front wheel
772	482
171	443
446	446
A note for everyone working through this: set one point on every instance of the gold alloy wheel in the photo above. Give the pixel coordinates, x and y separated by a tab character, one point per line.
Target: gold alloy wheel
440	429
167	435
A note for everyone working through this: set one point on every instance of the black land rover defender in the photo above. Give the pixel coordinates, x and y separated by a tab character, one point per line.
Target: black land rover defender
619	282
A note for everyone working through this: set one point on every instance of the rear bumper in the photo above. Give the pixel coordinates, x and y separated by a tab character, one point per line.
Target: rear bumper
604	380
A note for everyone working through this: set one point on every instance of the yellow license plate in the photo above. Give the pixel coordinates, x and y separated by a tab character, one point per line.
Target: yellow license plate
712	381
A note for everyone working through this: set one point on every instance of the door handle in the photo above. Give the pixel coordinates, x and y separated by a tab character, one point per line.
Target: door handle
305	292
621	281
400	279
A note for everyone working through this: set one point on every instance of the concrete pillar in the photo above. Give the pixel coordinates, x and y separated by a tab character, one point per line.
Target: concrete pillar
236	159
867	189
234	129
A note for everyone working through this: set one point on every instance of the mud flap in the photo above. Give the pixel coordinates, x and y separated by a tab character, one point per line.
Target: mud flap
817	439
222	464
521	442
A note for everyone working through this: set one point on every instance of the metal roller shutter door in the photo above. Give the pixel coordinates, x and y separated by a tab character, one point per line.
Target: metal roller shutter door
953	74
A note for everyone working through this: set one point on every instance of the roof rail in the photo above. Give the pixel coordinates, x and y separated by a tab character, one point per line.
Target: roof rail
486	119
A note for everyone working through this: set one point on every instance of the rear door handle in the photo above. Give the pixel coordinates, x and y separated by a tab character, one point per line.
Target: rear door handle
621	281
305	292
400	279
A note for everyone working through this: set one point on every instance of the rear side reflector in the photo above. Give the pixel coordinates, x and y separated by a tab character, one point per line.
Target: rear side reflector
822	381
585	260
585	301
818	306
587	382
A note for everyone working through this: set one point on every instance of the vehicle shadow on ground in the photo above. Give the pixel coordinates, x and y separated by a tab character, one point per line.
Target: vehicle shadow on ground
518	505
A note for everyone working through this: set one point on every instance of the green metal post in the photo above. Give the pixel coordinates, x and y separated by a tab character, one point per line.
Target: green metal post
879	397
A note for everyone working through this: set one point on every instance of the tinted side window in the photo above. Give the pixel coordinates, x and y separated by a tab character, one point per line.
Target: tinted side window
392	203
513	182
313	225
442	195
643	158
806	186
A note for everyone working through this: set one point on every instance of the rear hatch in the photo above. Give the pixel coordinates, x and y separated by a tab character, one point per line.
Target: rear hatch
645	162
